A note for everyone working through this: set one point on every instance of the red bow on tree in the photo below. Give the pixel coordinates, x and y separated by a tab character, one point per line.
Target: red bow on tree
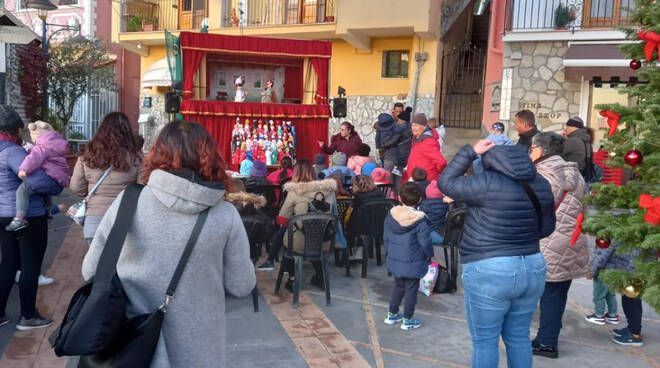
578	229
652	207
652	40
612	120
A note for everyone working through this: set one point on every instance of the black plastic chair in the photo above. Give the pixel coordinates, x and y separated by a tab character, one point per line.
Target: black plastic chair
257	236
343	205
452	236
372	216
386	189
316	227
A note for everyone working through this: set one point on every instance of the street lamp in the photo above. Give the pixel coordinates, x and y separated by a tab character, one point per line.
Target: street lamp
43	7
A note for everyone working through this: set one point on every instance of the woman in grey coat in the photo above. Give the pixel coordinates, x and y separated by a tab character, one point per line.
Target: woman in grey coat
185	175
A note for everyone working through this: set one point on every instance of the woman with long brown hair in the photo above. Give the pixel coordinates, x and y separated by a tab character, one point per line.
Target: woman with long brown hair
110	160
185	176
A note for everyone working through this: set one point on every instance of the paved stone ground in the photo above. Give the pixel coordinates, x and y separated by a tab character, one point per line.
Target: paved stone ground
348	333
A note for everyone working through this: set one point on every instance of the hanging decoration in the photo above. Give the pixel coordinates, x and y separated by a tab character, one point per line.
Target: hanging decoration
634	288
633	157
652	41
652	206
612	121
602	243
578	229
635	64
266	141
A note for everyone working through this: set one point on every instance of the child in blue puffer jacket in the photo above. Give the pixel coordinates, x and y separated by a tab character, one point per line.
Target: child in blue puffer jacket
435	208
604	259
408	245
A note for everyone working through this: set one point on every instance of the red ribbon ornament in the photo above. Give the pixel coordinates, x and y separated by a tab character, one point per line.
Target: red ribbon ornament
612	121
578	229
652	40
652	206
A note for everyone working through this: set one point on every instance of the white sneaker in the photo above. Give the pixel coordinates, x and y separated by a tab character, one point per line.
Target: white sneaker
43	280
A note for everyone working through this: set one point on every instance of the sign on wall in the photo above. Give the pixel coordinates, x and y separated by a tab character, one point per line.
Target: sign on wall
505	100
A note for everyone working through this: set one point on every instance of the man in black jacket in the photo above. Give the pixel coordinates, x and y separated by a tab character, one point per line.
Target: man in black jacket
509	208
526	127
577	146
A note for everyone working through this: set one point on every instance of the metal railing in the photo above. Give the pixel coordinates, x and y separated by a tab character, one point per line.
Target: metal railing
251	13
159	15
567	14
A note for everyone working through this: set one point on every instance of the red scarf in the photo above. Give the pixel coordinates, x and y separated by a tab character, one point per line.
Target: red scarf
9	138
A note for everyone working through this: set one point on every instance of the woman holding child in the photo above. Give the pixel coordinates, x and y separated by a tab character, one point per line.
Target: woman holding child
25	247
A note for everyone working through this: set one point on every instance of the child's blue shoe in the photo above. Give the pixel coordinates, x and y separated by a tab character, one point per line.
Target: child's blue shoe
393	319
628	339
410	324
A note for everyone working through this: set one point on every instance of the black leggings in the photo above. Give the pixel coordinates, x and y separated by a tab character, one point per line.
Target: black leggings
25	249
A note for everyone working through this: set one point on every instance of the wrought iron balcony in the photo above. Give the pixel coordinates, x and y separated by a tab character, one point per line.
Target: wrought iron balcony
252	13
522	15
158	15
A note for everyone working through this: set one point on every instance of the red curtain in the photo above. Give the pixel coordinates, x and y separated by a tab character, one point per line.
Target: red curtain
219	117
321	68
195	45
191	62
293	86
260	46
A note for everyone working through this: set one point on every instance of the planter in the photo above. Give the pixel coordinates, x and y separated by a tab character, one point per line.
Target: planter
148	27
330	19
561	28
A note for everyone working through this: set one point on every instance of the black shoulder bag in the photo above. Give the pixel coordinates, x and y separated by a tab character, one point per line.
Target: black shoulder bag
535	201
97	309
136	342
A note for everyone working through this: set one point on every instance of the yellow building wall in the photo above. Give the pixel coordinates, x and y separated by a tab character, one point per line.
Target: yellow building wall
155	53
359	72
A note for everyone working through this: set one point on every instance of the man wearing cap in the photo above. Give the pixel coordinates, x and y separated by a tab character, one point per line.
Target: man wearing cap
425	152
577	144
496	135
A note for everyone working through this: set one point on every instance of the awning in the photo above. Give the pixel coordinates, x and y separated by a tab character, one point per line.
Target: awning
597	60
12	30
157	75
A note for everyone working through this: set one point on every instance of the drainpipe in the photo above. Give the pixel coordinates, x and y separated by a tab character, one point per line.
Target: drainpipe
420	59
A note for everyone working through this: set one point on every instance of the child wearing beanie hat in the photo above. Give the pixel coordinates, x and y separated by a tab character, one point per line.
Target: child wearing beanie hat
368	168
436	211
319	163
49	154
338	164
380	176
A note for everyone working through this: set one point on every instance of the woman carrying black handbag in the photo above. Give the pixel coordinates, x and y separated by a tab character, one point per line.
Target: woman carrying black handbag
185	177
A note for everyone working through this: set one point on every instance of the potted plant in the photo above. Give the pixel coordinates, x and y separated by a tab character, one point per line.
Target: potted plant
562	16
330	9
149	24
134	23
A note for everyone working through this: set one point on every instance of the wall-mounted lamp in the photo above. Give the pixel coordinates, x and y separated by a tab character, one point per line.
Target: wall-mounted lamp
139	45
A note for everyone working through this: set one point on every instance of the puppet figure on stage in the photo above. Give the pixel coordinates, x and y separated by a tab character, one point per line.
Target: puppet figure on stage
268	95
241	94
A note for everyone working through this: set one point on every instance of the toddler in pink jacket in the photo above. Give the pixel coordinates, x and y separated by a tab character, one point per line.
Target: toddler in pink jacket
356	162
49	154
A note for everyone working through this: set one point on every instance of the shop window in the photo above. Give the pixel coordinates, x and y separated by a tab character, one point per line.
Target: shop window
605	94
395	64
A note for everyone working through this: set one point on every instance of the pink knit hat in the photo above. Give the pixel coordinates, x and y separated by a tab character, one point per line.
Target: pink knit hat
380	175
432	190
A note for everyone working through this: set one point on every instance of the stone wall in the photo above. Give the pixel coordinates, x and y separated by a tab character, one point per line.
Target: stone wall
12	84
157	118
363	111
539	84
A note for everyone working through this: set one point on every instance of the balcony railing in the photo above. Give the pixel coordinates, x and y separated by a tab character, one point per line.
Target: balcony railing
251	13
567	14
159	15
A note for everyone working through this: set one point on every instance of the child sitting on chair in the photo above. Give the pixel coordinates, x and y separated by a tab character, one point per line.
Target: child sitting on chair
435	208
408	245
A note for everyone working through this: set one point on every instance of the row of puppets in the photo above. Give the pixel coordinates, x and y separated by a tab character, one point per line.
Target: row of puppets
263	141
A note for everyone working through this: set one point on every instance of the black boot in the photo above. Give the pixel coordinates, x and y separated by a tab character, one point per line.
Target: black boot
544	351
317	280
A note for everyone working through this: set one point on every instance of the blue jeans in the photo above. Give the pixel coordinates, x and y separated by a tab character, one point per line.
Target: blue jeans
501	294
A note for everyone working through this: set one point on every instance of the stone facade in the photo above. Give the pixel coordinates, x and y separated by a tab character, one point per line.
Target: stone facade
363	111
156	121
539	85
12	84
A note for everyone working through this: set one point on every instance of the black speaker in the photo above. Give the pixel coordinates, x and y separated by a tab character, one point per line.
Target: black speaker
339	107
172	102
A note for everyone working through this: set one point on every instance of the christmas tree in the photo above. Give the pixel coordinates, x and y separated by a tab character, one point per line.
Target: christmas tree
630	214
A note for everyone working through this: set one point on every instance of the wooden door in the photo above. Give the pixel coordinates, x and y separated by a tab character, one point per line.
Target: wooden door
606	13
185	14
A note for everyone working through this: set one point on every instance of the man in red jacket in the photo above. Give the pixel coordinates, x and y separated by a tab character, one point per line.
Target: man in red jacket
425	152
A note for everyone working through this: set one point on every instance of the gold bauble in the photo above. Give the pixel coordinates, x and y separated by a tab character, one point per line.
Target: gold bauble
633	289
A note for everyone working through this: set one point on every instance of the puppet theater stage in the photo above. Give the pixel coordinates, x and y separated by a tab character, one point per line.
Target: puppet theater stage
304	65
